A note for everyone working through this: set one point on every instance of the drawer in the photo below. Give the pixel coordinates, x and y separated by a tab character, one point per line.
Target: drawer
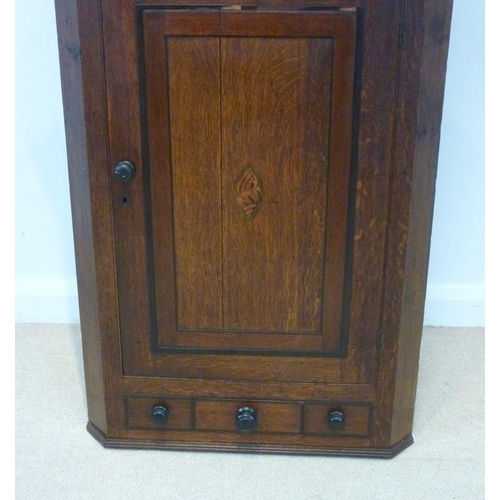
357	419
158	413
271	417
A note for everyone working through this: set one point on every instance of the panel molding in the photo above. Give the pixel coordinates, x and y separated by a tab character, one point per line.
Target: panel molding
178	337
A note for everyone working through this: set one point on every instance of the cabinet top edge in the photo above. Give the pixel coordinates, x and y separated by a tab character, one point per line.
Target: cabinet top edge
283	4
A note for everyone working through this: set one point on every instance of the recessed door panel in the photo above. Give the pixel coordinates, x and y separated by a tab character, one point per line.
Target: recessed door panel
247	180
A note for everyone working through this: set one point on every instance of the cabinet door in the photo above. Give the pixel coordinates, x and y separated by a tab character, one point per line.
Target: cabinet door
235	238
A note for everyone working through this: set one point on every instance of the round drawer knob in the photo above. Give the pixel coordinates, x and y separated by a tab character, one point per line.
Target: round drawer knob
159	415
246	420
124	171
336	420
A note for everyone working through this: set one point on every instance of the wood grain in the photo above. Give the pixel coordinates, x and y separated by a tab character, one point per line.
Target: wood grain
255	390
244	341
342	26
84	104
292	141
357	419
184	172
139	413
194	95
283	23
282	441
125	143
282	134
419	111
375	124
73	89
265	4
344	447
281	418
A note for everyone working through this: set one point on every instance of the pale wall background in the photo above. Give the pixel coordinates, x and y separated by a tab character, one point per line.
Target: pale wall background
45	267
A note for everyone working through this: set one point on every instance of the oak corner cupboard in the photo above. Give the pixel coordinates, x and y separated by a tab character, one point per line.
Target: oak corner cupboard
252	190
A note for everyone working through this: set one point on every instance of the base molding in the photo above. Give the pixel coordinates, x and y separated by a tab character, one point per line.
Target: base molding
123	443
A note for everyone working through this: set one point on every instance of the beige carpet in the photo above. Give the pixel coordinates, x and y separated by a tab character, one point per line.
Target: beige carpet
57	459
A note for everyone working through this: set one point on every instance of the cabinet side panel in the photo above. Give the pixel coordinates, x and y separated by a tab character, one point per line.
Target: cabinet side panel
419	112
76	140
84	105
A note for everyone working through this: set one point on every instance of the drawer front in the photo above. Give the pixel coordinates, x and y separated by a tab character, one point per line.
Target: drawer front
147	413
310	418
271	417
357	419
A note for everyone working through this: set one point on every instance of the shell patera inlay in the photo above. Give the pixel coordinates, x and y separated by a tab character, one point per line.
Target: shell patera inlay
249	192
